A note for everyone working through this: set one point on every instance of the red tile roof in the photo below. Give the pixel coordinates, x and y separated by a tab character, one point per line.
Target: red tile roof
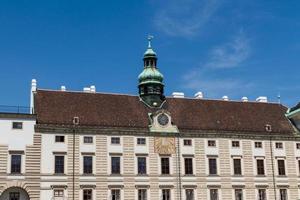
116	110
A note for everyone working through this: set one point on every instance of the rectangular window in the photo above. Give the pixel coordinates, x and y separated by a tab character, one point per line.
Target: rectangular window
211	143
115	165
235	144
14	196
142	165
281	167
189	194
212	166
260	167
262	194
188	165
115	194
16	161
213	194
142	194
141	141
88	140
258	144
59	138
87	164
165	166
187	142
238	194
17	125
58	193
283	194
278	145
87	194
115	140
166	194
59	165
298	145
237	168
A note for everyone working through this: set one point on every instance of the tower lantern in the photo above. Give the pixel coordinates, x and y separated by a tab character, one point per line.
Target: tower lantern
151	87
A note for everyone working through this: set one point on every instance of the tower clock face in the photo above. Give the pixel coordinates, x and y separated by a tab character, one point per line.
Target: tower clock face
163	119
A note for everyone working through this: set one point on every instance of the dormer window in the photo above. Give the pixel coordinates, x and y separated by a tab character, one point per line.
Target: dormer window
17	125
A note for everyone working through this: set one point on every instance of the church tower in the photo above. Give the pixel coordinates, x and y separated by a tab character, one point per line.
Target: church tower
151	87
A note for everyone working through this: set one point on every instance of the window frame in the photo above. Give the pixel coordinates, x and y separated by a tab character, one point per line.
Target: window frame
235	144
16	168
188	167
237	170
238	191
278	145
117	168
260	146
115	140
281	169
212	170
86	141
87	167
187	142
117	193
165	170
58	193
142	194
89	196
15	125
187	197
56	167
167	192
139	139
59	136
211	143
212	192
260	169
139	170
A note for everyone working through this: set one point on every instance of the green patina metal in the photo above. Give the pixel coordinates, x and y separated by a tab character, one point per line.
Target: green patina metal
151	87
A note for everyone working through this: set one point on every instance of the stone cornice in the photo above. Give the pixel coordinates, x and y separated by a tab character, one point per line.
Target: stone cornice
46	128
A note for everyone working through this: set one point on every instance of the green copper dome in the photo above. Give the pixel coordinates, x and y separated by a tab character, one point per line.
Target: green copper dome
150	75
151	87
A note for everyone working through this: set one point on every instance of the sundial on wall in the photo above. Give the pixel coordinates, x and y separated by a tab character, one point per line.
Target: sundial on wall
164	145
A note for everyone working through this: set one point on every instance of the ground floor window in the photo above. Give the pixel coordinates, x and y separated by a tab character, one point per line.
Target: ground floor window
115	194
283	194
166	194
14	196
58	193
142	194
87	194
262	194
214	194
238	194
189	194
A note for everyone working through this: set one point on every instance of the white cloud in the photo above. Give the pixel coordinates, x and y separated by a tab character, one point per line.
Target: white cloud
185	18
208	77
231	54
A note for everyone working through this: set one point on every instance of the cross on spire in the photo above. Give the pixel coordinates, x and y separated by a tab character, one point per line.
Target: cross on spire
150	37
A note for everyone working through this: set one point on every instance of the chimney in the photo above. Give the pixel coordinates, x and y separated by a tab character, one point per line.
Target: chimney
198	95
93	88
244	99
62	88
178	94
225	98
262	99
32	91
86	89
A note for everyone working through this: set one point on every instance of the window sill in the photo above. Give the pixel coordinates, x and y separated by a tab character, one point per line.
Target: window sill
281	176
16	174
142	175
88	174
261	175
213	175
59	174
189	175
115	174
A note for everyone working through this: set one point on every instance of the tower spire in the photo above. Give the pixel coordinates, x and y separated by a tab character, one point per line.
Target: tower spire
151	87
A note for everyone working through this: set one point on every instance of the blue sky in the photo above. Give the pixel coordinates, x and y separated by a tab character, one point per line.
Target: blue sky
234	48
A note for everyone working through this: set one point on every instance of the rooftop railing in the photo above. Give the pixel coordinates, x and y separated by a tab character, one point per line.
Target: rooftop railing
15	109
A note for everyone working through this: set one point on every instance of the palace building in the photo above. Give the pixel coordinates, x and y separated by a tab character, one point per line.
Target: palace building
88	145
